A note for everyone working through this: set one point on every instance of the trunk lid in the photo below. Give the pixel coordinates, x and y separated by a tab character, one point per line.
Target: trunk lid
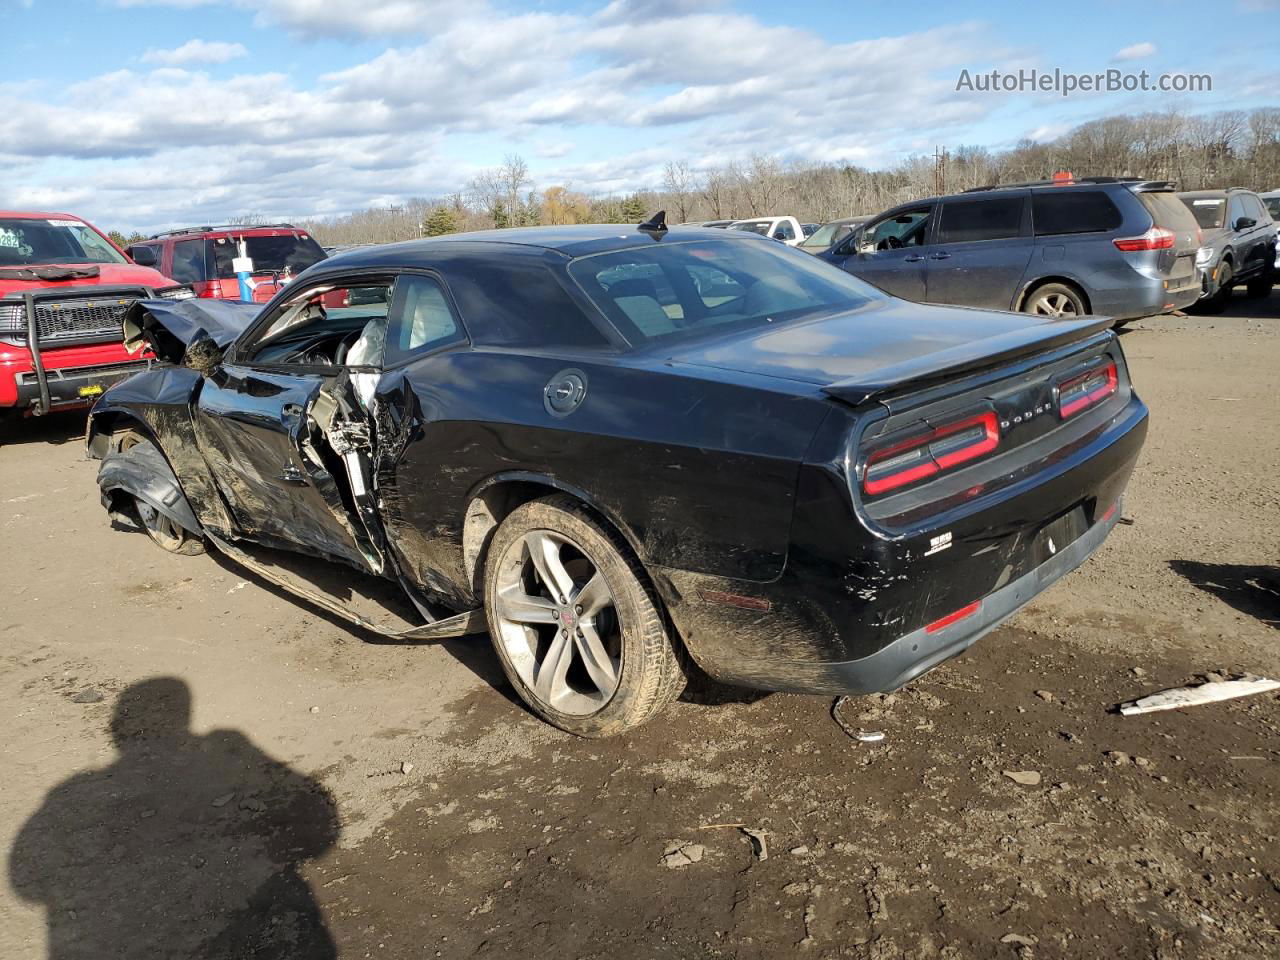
888	346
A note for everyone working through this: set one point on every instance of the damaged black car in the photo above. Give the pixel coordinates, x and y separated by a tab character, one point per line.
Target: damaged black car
621	449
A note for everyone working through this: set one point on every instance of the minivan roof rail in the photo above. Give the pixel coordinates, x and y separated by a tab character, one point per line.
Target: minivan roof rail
1142	183
228	227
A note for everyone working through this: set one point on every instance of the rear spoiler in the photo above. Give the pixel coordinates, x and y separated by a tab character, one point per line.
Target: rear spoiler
935	368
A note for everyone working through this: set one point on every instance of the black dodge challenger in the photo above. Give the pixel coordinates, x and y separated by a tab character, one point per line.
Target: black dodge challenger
618	448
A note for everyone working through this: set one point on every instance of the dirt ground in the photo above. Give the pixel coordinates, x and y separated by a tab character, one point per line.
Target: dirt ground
196	765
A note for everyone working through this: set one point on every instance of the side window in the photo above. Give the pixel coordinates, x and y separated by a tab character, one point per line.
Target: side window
999	218
1255	209
1235	210
906	228
328	325
421	319
784	231
1073	211
510	304
188	261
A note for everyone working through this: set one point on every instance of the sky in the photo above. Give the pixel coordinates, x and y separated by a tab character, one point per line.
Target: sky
146	114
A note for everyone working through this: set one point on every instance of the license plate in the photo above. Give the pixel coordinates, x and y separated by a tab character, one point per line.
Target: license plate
1058	534
93	390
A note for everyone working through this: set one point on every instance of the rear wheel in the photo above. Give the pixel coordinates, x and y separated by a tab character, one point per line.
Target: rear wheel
1260	286
1055	300
575	623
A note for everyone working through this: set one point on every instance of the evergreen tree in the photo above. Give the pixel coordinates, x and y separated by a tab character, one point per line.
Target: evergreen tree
440	221
633	209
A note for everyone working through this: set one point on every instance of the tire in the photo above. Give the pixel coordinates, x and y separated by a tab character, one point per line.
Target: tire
163	532
1055	300
1260	286
1216	302
594	668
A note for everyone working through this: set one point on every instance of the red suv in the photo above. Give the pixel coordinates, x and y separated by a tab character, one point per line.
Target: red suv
64	288
201	257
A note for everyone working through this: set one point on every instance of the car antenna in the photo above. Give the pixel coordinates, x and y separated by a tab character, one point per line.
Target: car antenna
656	225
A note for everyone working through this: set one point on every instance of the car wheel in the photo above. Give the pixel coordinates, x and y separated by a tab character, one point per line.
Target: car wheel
1260	287
166	533
1054	300
1217	301
575	622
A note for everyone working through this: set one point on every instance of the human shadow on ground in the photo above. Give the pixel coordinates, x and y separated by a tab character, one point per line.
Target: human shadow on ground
1251	588
186	845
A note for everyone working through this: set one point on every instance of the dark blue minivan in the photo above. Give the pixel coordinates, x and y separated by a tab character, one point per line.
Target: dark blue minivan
1124	248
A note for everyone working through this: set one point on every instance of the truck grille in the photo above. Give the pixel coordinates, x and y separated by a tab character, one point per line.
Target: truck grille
61	322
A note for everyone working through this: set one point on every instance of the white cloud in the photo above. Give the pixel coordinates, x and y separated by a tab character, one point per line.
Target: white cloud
196	51
1137	51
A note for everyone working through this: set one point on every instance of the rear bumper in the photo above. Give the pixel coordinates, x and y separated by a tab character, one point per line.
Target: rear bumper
921	650
1153	297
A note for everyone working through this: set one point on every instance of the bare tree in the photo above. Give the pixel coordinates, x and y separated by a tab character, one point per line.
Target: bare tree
681	185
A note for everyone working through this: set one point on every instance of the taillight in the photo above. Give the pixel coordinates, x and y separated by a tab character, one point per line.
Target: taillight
1087	390
1157	238
930	452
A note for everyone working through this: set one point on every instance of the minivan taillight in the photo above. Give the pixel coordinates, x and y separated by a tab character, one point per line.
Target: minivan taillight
1087	390
931	452
1157	238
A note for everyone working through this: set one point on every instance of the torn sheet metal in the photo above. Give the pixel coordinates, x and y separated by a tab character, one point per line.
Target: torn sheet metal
168	327
143	473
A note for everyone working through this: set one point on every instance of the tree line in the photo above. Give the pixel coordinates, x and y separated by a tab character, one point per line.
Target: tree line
1226	148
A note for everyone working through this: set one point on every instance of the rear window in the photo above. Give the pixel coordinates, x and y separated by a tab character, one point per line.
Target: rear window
967	220
291	252
1073	211
1168	211
1210	212
677	291
509	304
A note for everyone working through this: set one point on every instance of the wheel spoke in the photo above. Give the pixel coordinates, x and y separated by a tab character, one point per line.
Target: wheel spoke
520	607
600	666
544	551
549	682
593	597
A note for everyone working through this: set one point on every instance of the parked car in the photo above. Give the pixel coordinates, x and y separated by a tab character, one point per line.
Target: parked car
830	234
1272	201
1123	248
64	287
789	230
1239	244
202	257
808	229
706	223
615	447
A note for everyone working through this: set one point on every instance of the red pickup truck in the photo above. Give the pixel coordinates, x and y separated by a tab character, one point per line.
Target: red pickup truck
64	288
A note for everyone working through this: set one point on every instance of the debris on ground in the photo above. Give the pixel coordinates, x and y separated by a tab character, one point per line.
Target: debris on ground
758	844
1028	778
1018	939
1045	695
870	736
799	851
681	853
223	800
406	767
88	695
1190	696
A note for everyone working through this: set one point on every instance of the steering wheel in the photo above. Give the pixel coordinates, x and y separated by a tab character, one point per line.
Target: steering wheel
889	243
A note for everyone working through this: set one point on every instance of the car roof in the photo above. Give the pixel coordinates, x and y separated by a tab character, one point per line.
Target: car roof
37	215
568	241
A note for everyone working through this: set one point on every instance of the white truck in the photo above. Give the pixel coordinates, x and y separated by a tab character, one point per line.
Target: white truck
786	229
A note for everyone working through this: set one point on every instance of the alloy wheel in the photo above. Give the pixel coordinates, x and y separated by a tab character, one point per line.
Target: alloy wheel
558	623
162	529
1054	305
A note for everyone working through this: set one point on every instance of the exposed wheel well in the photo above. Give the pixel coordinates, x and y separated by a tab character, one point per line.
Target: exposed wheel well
104	425
1036	284
492	505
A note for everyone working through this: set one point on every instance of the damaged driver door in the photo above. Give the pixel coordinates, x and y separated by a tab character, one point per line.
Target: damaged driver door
283	429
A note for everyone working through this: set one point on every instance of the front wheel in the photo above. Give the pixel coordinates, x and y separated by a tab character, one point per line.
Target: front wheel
1054	300
1216	302
166	533
575	623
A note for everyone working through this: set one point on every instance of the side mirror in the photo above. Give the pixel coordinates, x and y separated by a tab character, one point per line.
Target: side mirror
144	256
1244	223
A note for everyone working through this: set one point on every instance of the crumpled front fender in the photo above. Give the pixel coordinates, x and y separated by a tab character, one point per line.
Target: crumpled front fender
143	473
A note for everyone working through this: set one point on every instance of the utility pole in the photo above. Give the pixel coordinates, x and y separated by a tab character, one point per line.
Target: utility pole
940	156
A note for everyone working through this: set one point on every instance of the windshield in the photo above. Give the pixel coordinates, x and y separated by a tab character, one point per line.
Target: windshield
828	235
753	226
292	252
1273	207
25	242
677	291
1209	213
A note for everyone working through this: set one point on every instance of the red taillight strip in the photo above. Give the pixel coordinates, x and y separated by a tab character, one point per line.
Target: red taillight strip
1099	393
930	462
1157	238
950	618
